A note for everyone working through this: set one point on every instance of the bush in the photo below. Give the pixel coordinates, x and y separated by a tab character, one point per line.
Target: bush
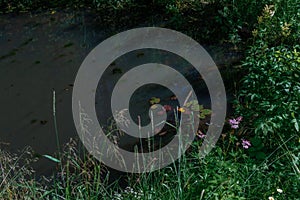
208	21
115	4
223	20
270	92
8	6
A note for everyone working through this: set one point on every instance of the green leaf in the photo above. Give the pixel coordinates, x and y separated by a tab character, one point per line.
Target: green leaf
197	107
261	155
188	104
201	116
256	141
193	103
154	100
52	158
206	111
296	125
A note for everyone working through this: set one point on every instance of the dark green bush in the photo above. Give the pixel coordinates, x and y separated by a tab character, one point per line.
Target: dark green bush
223	20
270	92
208	21
115	4
8	6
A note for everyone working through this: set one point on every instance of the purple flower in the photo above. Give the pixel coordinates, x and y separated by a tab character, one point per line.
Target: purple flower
200	134
239	119
246	144
235	122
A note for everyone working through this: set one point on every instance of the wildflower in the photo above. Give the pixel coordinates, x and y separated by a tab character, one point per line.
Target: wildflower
200	134
260	19
240	118
271	198
167	108
286	29
255	32
246	144
235	122
269	11
279	190
181	109
223	135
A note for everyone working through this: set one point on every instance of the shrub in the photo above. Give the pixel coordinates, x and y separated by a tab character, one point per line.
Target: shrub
270	92
8	6
115	4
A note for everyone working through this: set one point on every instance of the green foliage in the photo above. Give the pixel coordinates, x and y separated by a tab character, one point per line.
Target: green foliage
225	20
233	175
195	107
223	174
271	91
8	6
278	24
115	4
257	150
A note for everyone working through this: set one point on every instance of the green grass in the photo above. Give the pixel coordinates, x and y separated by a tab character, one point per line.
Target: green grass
228	172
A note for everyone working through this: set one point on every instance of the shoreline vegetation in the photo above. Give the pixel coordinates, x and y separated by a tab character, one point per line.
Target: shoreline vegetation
257	155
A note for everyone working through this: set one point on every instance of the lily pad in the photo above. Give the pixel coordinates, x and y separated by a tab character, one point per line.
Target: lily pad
154	100
206	111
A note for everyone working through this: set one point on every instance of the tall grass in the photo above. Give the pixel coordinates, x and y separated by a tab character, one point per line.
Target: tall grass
223	174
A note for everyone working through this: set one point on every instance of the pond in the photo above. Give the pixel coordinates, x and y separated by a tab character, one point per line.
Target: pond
41	53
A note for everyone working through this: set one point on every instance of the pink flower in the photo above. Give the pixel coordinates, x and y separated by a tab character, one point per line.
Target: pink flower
167	107
200	134
235	122
239	119
246	144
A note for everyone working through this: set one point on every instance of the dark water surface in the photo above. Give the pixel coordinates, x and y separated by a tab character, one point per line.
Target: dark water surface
41	53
